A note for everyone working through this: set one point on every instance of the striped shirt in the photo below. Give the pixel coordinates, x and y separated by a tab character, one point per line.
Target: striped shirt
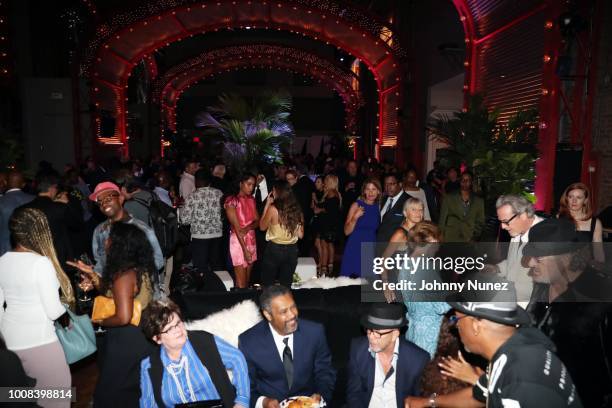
187	380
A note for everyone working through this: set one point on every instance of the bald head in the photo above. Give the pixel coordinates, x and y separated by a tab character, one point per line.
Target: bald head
15	180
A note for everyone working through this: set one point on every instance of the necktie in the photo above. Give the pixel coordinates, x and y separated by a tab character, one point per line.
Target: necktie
390	206
288	362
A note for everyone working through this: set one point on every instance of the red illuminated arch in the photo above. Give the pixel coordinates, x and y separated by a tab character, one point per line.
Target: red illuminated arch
120	44
168	89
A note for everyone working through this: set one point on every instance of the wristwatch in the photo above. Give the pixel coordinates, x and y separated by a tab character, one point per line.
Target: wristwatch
432	400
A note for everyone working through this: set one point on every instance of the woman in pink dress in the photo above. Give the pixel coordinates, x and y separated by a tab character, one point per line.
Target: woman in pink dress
242	215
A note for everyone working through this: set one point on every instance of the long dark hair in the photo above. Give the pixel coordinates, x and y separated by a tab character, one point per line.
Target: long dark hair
289	211
129	249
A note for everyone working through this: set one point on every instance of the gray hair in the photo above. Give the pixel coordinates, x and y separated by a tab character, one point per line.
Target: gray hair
518	203
271	292
412	201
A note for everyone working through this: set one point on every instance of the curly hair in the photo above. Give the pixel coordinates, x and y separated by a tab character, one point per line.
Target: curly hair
29	228
129	250
289	211
156	316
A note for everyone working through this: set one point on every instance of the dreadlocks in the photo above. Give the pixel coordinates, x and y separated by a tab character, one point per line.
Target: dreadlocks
30	229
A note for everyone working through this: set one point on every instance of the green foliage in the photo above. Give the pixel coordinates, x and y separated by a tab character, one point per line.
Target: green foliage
11	151
251	132
502	156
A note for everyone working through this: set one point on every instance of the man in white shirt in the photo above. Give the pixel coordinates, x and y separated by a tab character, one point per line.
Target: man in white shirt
384	368
516	215
286	356
187	184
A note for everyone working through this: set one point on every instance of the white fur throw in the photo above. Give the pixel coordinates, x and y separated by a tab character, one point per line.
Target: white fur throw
329	283
229	323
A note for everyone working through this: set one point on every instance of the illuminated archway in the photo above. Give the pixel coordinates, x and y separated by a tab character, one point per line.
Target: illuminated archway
121	43
168	88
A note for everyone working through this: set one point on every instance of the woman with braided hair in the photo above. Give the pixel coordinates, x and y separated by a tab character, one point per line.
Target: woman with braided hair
30	283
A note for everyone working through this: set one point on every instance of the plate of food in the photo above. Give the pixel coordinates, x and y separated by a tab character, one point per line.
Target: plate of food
302	402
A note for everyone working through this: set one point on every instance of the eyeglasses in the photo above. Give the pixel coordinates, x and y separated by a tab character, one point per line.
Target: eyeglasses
377	334
172	328
507	222
107	199
455	319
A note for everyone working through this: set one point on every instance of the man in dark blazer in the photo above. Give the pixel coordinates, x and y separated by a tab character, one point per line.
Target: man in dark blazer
12	198
303	188
286	356
391	210
59	216
384	368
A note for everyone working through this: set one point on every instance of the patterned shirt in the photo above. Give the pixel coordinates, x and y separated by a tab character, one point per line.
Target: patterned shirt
187	380
202	212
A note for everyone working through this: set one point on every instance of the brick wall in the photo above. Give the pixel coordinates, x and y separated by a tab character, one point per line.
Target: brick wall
602	113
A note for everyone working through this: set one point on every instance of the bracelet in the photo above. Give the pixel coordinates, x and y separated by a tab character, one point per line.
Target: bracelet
432	400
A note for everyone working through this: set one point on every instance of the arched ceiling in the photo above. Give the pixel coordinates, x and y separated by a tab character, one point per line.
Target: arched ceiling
168	88
127	38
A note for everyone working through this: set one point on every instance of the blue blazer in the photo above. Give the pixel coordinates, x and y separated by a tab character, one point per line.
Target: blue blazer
312	365
361	371
8	202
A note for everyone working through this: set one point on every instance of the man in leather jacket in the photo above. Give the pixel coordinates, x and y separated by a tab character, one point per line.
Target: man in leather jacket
573	307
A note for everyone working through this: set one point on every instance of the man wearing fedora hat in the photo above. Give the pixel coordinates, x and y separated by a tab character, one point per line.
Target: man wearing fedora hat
384	368
574	307
523	369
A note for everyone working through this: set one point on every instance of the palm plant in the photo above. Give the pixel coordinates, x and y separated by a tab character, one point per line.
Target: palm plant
502	156
250	133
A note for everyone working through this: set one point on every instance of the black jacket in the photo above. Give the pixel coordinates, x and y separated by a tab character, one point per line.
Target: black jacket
525	371
582	333
392	218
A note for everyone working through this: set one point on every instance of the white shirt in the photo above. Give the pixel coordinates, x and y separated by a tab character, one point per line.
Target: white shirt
383	393
263	188
29	286
512	269
187	185
280	346
386	207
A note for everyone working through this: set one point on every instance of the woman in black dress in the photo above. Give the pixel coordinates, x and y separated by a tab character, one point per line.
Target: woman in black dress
329	223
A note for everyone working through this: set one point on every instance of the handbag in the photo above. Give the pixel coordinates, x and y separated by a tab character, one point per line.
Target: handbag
104	307
78	339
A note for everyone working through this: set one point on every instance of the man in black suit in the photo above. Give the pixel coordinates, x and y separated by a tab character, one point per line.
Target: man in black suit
58	215
303	188
391	210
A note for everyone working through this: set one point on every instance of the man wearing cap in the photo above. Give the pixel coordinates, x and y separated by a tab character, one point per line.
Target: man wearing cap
523	370
575	308
108	197
384	368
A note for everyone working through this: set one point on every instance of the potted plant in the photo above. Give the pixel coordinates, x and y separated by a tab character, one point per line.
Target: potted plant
250	132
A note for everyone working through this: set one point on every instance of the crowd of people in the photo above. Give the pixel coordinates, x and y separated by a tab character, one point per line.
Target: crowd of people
127	230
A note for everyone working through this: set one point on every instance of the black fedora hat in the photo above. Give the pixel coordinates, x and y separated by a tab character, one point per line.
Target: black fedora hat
496	306
554	236
385	316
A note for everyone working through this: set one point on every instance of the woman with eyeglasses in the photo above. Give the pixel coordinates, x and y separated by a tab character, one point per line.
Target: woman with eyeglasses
189	366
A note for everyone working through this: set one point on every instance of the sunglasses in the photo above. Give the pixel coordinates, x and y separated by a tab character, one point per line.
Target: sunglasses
455	319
